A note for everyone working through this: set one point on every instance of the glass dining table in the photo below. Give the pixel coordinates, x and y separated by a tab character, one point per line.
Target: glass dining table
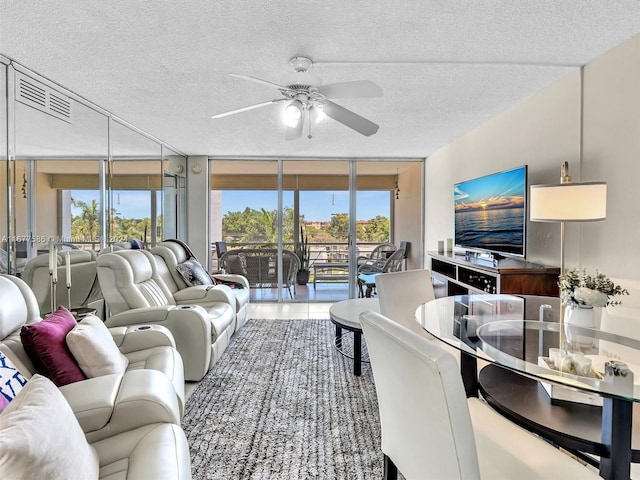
571	385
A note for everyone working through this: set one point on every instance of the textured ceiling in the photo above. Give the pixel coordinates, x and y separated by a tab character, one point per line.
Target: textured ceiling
444	66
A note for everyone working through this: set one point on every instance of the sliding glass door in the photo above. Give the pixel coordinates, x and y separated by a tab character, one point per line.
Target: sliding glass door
327	212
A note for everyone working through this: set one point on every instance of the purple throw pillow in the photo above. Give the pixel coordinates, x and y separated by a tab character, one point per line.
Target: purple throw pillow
45	343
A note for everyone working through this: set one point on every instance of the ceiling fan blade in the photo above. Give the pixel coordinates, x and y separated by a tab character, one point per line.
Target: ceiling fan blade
293	133
350	119
244	109
355	89
258	80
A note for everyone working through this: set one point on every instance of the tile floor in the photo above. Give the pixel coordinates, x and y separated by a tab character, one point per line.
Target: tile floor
289	310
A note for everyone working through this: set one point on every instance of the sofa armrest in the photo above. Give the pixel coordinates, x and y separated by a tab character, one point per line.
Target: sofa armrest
141	337
231	277
190	326
205	295
92	400
145	397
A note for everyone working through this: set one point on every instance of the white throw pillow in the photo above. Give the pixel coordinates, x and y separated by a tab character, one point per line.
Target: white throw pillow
41	438
93	347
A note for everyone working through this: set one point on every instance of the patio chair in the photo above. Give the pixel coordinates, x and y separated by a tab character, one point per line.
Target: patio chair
380	252
367	273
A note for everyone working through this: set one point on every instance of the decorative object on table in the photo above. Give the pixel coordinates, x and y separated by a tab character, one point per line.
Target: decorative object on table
573	363
303	251
580	292
620	375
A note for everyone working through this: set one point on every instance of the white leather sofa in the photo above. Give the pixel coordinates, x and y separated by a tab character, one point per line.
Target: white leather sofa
41	438
85	291
150	390
171	254
135	293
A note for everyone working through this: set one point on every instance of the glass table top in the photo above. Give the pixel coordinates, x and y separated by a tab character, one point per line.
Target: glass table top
523	333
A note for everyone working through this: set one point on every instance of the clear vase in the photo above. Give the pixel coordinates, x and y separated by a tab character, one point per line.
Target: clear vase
579	317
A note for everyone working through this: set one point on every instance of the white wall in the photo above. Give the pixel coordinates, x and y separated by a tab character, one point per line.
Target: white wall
542	132
612	153
407	209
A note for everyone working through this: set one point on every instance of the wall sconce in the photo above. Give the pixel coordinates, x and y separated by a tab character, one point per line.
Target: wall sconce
397	187
24	183
196	168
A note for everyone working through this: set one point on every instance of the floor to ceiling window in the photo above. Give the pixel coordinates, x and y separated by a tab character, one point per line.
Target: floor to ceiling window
317	206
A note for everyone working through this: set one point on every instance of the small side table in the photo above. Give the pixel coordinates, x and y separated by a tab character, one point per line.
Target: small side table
346	315
81	312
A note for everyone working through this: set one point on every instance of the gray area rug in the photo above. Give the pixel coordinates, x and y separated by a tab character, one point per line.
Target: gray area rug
282	403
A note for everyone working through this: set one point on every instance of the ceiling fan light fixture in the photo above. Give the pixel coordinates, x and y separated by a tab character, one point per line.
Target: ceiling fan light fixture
293	113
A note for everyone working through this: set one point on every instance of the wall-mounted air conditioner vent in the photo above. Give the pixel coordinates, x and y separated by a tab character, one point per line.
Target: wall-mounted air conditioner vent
41	97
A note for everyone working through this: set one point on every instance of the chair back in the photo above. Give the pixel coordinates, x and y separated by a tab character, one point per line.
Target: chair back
221	248
425	420
400	293
381	252
129	279
84	285
394	262
18	307
168	256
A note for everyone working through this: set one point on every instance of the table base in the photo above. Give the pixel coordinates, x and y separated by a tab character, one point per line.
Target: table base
352	347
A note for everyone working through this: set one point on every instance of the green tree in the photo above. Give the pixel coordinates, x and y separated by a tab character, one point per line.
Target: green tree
339	226
86	226
377	230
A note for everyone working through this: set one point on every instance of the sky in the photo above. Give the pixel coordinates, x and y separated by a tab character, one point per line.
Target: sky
314	205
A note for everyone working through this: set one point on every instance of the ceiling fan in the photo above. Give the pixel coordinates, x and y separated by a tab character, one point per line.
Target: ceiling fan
303	93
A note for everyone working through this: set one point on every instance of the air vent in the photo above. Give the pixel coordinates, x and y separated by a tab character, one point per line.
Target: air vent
41	97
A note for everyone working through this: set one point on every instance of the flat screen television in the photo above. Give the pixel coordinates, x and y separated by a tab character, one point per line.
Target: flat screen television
491	212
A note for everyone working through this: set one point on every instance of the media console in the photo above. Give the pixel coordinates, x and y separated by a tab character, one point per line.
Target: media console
453	274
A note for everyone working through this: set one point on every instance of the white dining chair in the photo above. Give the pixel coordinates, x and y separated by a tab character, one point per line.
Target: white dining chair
430	430
400	293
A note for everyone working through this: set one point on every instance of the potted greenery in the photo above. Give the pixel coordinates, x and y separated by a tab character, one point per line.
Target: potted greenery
581	292
303	251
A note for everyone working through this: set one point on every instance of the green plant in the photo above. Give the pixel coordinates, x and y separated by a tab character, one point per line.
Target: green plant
303	251
578	288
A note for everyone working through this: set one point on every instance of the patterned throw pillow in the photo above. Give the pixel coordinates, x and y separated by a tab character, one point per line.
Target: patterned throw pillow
11	381
193	273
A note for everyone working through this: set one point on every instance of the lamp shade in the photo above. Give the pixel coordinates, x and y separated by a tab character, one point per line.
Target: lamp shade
568	202
293	113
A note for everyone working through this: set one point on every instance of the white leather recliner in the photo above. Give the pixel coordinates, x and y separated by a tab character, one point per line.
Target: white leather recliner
84	281
150	390
135	293
171	254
